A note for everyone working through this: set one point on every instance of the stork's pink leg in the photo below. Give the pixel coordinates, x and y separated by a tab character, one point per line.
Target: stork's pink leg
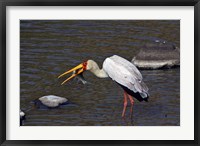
132	102
125	104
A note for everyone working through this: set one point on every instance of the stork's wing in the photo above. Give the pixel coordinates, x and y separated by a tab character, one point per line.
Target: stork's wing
125	73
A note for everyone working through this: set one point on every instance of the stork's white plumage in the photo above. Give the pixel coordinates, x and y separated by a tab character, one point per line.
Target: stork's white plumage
125	73
120	70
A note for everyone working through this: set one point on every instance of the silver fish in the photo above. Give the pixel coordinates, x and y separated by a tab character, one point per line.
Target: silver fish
80	77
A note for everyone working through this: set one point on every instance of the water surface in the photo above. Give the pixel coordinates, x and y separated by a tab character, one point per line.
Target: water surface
48	48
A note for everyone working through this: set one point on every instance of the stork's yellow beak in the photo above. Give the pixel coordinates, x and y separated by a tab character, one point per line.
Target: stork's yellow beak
78	67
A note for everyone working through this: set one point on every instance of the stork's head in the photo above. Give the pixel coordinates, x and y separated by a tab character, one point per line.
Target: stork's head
78	70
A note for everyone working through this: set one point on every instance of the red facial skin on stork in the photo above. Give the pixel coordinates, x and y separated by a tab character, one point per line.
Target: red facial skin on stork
85	65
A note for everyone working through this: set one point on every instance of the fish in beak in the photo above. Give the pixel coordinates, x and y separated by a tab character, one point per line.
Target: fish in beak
78	70
80	77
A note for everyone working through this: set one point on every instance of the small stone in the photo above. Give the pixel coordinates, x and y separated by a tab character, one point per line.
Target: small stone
52	100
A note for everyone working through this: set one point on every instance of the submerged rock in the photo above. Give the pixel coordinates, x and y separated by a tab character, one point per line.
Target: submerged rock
157	56
51	101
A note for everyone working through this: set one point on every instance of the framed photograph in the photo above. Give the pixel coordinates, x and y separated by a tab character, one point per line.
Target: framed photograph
103	72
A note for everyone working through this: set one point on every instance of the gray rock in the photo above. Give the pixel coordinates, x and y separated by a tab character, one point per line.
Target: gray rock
157	56
22	114
22	117
52	100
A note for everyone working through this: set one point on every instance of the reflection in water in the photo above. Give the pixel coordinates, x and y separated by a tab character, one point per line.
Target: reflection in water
48	48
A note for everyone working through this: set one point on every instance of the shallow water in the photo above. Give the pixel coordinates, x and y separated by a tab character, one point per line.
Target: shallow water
48	48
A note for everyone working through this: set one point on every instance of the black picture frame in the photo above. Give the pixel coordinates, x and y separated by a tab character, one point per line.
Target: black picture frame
5	3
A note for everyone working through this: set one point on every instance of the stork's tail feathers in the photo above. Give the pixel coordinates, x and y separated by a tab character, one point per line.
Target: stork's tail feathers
145	96
144	93
140	96
142	89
